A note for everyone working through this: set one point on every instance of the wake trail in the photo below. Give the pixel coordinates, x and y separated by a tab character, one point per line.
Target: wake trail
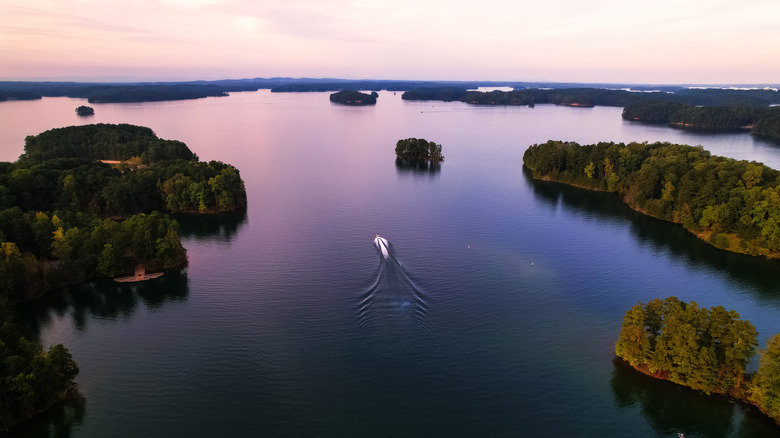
393	301
382	244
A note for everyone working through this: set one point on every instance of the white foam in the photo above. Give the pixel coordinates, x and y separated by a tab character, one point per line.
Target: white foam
382	243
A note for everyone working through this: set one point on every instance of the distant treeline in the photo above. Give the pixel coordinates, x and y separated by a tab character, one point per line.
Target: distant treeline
159	91
762	121
103	93
704	349
59	205
156	91
598	96
734	205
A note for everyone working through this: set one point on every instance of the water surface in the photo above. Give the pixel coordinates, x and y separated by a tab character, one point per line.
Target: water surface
494	312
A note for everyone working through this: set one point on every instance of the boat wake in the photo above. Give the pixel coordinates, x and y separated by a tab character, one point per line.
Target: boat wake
382	244
393	302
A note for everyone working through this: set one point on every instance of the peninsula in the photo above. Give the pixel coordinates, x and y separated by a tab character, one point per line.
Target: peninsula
764	121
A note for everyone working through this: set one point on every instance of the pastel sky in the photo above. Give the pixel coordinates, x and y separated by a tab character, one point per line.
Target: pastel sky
629	41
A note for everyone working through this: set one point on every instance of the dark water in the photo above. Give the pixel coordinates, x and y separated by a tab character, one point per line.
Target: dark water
494	313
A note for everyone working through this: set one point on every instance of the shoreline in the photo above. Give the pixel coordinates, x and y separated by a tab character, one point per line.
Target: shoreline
704	235
741	398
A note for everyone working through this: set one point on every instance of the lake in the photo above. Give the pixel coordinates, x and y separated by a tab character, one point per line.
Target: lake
491	309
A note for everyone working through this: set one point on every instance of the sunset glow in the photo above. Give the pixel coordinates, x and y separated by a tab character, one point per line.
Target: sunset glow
666	41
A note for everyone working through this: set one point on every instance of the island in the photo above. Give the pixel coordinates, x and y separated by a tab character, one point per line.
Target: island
85	202
418	149
734	205
704	349
355	98
84	110
93	201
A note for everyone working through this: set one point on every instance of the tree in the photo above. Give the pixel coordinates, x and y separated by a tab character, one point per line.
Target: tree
705	349
31	379
418	149
765	387
634	344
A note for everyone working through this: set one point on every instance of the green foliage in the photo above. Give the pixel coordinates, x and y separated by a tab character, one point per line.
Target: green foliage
31	379
709	195
53	229
418	149
352	97
704	349
765	389
768	126
103	142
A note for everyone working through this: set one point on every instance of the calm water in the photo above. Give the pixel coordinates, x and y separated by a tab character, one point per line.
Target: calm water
492	310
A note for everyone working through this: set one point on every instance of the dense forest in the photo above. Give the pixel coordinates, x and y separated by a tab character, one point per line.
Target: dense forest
84	202
759	120
418	149
66	217
352	97
734	205
704	349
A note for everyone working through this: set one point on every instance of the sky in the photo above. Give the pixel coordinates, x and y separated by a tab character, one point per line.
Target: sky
625	41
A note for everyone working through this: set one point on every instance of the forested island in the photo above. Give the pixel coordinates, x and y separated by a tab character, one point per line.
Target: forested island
704	349
355	98
418	149
90	201
733	205
85	202
84	110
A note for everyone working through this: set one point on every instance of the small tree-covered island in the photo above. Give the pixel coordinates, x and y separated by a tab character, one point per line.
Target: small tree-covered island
733	205
704	349
418	149
86	202
355	98
84	110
